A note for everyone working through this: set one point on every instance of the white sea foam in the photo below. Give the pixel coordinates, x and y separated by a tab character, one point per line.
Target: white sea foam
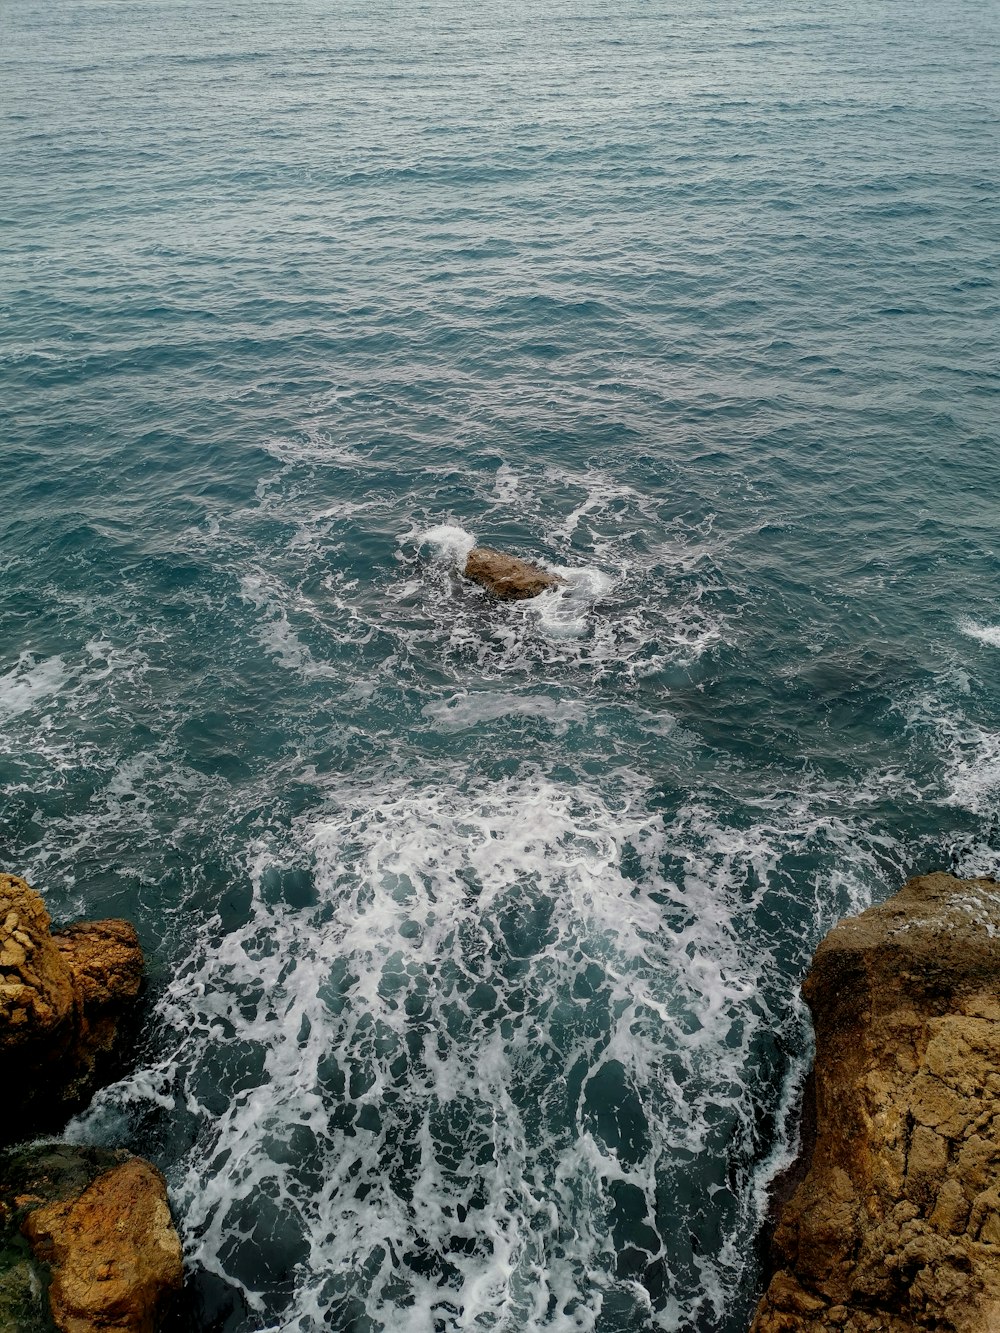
205	535
317	530
969	753
507	488
29	682
563	612
504	1009
468	710
603	495
988	634
312	448
275	632
449	543
972	770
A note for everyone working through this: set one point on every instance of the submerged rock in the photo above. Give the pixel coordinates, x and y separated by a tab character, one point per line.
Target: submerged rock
88	1243
506	576
896	1224
63	998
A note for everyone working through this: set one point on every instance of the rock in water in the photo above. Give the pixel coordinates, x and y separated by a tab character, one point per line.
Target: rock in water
506	576
63	998
114	1254
101	1240
896	1225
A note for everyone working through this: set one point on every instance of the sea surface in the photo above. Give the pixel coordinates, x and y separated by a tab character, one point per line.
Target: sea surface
475	931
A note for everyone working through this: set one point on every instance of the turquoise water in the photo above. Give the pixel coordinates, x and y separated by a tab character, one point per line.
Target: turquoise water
475	931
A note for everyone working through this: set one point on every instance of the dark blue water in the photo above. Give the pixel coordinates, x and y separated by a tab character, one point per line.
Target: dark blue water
475	931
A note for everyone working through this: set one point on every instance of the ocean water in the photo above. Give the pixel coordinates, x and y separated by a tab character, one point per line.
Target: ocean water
475	931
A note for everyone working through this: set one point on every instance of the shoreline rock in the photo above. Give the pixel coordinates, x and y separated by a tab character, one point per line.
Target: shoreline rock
896	1223
88	1242
507	577
66	997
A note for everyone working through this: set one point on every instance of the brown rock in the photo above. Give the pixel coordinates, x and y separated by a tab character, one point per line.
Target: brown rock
105	961
506	576
36	997
63	996
40	1176
896	1224
115	1257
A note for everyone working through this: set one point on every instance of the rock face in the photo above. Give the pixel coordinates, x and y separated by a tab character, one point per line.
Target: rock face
63	997
100	1232
506	576
36	993
896	1225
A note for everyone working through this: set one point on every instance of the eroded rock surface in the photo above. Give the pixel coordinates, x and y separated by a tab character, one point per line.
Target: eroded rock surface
88	1243
506	576
896	1225
63	998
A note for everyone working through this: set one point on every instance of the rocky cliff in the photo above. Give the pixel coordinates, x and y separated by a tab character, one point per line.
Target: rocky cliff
64	996
896	1224
87	1244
